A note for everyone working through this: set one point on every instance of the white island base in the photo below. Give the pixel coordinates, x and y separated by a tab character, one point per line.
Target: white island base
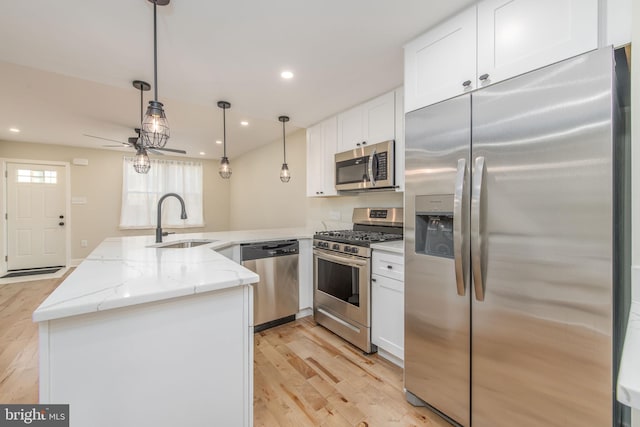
184	361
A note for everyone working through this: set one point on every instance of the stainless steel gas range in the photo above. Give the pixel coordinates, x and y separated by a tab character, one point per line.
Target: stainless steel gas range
342	273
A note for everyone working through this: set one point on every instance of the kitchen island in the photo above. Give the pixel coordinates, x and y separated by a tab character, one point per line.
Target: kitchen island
141	335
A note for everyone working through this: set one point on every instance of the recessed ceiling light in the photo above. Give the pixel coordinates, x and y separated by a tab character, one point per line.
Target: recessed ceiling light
14	130
286	75
243	123
202	153
218	142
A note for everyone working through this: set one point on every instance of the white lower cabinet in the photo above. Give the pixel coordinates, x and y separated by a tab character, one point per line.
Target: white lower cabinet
387	305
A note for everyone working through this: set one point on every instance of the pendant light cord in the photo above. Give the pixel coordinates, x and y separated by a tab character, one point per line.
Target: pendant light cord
224	130
284	144
155	51
141	107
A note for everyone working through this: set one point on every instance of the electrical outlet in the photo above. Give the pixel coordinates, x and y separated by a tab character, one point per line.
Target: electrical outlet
83	243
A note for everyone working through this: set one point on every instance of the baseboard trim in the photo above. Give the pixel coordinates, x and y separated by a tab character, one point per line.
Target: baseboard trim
75	262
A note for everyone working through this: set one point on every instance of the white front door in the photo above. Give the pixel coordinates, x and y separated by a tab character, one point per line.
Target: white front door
36	216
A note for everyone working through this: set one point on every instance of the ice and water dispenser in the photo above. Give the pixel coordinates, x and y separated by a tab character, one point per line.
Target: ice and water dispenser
434	225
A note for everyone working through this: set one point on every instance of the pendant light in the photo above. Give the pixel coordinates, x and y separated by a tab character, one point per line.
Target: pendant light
225	168
141	163
155	127
285	176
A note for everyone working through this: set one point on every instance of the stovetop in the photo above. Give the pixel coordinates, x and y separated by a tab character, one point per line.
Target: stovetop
357	237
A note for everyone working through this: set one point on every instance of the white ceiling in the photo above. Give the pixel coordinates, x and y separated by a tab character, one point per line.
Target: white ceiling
66	67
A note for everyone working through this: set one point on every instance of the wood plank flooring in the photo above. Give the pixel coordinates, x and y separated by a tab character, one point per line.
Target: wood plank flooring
19	338
304	375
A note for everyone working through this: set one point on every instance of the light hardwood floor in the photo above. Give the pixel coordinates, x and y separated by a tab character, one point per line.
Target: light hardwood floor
303	374
19	338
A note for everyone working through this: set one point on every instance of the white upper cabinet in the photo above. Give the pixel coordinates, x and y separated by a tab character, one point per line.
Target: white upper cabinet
441	63
516	36
321	150
368	123
399	145
493	41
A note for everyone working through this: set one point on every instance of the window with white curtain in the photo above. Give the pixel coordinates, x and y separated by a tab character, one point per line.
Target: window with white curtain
141	192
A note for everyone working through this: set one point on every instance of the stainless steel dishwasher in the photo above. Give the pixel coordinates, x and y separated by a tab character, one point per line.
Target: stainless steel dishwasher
275	296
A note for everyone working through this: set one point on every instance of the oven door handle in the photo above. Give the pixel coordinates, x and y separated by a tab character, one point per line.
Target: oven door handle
354	262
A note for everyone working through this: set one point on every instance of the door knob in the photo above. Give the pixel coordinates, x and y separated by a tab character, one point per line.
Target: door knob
61	223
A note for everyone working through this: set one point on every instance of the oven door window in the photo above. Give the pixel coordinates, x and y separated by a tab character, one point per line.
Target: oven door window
340	281
353	170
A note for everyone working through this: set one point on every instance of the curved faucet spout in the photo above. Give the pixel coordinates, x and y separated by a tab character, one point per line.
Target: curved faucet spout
183	214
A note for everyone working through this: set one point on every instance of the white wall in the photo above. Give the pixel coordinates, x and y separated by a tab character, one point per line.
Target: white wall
259	200
101	183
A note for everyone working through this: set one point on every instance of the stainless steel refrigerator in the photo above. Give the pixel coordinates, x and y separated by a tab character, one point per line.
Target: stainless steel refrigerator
512	249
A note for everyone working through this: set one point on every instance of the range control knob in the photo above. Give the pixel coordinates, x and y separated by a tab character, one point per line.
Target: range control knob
354	250
336	247
347	249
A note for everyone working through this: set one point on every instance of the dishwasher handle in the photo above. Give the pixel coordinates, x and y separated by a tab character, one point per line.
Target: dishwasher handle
261	250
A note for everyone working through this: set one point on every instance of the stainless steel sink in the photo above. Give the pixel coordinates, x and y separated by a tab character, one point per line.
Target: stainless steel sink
182	244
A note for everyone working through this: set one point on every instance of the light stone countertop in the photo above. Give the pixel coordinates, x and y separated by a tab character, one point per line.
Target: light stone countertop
125	271
629	372
396	246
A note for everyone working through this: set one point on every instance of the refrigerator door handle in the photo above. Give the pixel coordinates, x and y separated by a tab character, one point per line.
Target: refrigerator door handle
478	244
459	227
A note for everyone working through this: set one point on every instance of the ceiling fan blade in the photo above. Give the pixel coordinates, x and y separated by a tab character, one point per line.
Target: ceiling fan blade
171	150
105	139
155	151
116	146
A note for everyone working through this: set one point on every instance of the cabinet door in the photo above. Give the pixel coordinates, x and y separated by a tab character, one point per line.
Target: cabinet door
399	154
329	146
315	160
516	36
350	132
378	117
440	62
387	315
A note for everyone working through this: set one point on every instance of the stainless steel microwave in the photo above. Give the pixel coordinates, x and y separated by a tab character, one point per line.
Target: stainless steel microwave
366	167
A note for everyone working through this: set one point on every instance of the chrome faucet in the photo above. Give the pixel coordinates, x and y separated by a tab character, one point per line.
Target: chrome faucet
183	215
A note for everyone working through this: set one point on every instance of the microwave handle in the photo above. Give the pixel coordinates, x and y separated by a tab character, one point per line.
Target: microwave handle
372	177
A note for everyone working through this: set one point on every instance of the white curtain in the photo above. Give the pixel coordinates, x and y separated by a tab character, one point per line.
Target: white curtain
141	192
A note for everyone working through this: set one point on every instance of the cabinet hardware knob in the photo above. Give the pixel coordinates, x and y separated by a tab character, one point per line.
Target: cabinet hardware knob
364	142
61	223
484	77
389	267
358	144
467	83
373	279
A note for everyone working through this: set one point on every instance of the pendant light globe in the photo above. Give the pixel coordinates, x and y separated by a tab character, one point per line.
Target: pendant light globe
141	163
225	168
285	175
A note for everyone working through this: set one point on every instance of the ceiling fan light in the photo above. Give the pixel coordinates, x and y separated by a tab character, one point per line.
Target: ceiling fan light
285	176
225	168
155	127
141	163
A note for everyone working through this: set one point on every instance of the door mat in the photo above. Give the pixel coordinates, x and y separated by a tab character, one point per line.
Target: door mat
30	272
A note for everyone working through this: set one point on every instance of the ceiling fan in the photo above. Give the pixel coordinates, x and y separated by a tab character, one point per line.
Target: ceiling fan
135	141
